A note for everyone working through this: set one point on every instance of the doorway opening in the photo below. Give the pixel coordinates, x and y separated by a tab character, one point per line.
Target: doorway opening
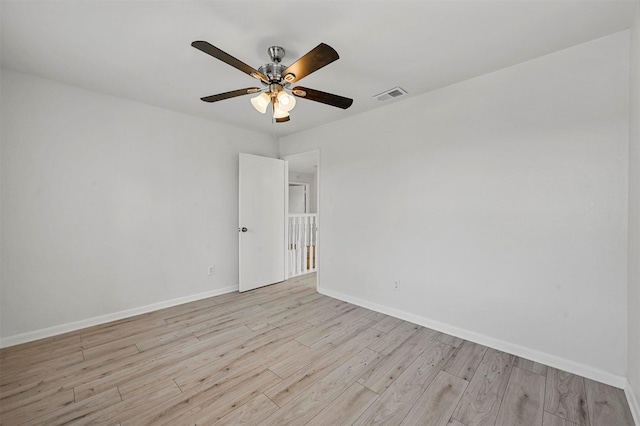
299	194
302	251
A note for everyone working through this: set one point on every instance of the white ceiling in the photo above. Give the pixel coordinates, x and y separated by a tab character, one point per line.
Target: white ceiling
140	50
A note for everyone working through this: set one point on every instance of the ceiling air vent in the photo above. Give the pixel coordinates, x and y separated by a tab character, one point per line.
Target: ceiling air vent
396	92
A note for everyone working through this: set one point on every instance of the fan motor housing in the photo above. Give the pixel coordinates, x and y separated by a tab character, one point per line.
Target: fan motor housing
273	71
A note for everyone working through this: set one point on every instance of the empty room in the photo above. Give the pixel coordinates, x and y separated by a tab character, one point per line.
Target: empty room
320	212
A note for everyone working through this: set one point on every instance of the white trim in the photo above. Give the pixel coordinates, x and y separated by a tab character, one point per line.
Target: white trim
318	245
102	319
285	236
511	348
633	402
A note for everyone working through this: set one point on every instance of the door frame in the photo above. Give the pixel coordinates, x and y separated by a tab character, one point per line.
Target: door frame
287	158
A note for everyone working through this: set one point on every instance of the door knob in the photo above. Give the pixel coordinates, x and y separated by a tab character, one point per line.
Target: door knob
243	229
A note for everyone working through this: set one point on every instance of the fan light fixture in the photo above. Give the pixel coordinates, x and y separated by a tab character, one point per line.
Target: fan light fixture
261	102
282	102
277	78
278	112
286	102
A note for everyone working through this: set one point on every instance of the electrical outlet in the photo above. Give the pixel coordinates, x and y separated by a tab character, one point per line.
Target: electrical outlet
396	285
212	270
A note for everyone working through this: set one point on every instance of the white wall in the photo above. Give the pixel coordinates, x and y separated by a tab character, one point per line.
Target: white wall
634	217
500	203
110	205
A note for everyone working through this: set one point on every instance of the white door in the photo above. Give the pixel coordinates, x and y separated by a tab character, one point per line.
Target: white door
263	183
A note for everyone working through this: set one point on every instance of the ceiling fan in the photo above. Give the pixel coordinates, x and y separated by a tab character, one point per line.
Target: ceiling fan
276	79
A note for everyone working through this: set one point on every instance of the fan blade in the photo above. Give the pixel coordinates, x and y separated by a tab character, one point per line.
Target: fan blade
318	57
323	97
210	49
283	119
232	94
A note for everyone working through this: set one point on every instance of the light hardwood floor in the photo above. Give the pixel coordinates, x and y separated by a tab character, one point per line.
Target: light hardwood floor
282	355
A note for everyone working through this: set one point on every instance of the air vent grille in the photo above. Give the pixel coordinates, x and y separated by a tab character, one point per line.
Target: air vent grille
396	92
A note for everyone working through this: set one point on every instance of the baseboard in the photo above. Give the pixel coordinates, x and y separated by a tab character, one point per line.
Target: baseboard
511	348
90	322
633	403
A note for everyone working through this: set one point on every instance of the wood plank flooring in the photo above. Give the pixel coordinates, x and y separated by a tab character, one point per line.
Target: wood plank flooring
286	355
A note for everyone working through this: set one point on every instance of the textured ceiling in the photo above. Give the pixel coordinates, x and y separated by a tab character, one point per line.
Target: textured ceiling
140	50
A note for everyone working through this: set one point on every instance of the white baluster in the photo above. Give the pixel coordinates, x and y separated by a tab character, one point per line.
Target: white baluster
302	243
